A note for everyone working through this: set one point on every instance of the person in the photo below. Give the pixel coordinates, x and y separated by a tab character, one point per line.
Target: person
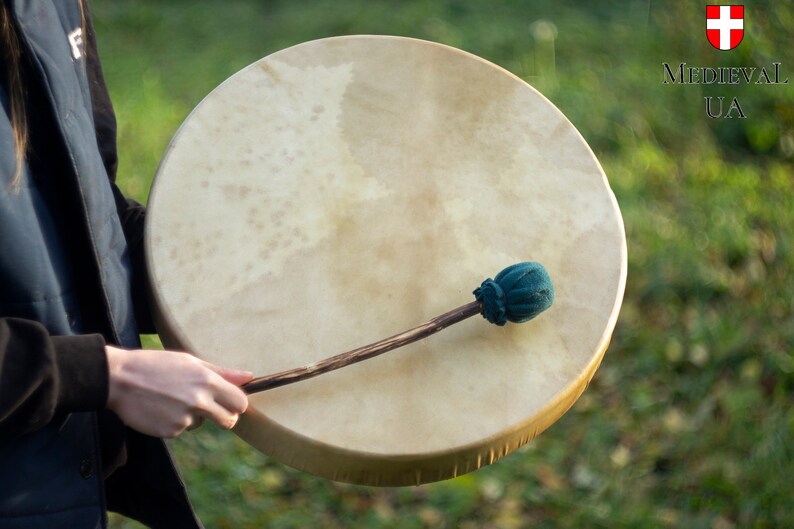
82	407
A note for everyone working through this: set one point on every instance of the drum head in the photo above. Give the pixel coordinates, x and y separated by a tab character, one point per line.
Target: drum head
346	189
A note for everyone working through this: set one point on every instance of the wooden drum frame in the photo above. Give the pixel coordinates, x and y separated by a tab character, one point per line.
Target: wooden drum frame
343	190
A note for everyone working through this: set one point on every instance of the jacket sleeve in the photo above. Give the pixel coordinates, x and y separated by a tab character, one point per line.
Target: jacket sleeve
42	376
131	213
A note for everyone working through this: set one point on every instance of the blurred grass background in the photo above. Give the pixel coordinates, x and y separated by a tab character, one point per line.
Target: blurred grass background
689	421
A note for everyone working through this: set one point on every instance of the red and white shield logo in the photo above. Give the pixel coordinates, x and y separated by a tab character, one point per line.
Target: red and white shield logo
725	26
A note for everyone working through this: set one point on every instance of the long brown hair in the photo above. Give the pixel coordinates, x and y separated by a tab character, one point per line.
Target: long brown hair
15	81
16	89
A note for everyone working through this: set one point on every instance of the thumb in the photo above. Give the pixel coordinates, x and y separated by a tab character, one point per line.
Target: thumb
237	377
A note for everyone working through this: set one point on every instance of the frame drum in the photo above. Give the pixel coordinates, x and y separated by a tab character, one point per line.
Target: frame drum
343	190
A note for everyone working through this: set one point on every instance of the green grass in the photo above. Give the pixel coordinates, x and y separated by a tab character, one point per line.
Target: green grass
689	422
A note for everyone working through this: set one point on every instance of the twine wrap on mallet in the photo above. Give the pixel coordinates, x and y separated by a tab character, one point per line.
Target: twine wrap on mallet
517	294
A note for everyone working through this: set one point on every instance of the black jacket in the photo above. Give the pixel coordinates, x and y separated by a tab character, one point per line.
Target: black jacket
71	279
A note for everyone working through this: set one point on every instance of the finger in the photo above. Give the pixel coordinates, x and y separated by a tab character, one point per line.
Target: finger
218	414
228	395
237	377
196	423
232	398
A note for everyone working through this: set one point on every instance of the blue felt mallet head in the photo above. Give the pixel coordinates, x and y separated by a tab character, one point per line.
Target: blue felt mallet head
517	294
